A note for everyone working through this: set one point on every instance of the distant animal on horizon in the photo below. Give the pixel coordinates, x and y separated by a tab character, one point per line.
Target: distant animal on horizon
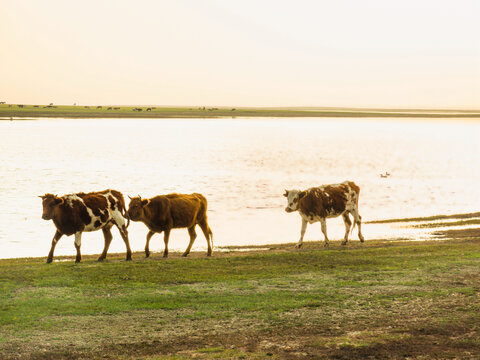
319	203
149	109
2	102
172	211
386	175
20	106
116	108
73	214
109	108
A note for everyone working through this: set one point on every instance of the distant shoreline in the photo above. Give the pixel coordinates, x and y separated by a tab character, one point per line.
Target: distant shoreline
19	111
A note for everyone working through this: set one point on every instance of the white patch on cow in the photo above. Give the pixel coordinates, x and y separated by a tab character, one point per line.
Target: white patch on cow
69	199
94	219
117	218
307	218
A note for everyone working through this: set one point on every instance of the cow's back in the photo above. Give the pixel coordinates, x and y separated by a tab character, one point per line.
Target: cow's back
329	200
186	209
174	211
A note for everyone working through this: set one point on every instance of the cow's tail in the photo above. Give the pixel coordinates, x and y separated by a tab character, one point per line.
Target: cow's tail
210	233
126	216
123	210
356	204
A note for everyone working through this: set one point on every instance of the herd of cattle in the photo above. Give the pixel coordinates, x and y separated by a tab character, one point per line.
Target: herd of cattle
73	214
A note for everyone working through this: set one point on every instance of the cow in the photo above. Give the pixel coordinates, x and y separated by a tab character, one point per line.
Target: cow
76	213
172	211
326	201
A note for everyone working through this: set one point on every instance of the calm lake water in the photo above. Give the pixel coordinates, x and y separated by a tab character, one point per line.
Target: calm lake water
242	166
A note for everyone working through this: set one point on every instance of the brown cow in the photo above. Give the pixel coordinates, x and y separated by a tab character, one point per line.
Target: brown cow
76	213
173	211
320	203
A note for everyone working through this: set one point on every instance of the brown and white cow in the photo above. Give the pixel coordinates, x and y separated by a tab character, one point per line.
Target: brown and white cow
76	213
326	201
172	211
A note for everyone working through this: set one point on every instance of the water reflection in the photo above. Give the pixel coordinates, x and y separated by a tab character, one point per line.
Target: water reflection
242	166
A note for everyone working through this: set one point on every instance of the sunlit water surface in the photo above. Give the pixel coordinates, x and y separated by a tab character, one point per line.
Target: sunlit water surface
242	166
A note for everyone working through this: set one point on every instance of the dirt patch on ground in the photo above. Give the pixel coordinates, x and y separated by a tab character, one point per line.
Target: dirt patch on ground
408	330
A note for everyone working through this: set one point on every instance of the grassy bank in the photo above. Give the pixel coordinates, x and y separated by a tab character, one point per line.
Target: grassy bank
34	111
389	300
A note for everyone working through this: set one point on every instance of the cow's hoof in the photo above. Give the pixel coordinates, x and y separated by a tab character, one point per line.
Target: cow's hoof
344	243
100	259
326	245
77	261
165	255
147	254
49	261
209	254
185	254
128	258
298	246
362	240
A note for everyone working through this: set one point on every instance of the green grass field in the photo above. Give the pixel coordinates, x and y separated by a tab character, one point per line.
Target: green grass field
387	300
32	111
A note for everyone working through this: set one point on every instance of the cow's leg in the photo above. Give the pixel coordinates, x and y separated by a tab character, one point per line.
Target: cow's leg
348	223
120	224
323	223
78	243
302	233
166	236
55	239
107	234
208	235
358	221
147	244
193	236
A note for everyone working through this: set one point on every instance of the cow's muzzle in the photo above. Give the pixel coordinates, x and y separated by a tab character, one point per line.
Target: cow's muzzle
287	209
45	217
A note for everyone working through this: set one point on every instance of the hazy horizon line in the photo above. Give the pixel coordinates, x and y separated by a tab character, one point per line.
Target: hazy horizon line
309	107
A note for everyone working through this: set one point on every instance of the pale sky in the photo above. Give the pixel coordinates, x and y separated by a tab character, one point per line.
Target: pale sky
368	53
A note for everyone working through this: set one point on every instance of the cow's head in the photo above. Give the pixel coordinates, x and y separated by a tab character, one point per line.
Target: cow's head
292	199
50	202
136	207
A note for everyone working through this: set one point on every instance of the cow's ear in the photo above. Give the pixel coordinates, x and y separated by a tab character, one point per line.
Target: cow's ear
145	202
301	194
59	201
286	193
